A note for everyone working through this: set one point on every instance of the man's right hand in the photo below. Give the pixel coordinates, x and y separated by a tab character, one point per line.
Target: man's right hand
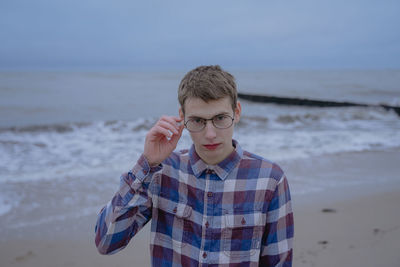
162	139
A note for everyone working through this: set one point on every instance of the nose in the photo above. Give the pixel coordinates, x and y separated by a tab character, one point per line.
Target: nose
210	131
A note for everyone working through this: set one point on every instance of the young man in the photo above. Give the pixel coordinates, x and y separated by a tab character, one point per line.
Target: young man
212	205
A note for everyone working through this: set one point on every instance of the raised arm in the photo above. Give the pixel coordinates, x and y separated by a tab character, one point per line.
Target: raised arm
130	208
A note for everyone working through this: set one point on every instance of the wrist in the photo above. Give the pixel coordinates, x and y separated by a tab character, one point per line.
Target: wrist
151	162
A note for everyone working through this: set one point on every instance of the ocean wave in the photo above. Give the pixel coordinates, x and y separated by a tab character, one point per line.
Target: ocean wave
114	125
80	149
59	128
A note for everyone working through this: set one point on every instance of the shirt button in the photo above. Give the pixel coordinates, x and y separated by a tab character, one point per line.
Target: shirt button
204	255
209	194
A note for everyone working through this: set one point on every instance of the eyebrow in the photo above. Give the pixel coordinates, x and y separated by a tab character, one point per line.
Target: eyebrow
198	117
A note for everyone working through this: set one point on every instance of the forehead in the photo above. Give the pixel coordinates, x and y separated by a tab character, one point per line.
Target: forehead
196	107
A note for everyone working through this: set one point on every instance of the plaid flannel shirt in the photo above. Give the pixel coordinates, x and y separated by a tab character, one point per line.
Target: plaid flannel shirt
235	213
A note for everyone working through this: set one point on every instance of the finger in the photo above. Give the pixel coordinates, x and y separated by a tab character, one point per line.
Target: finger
178	119
179	123
175	121
168	126
175	118
175	138
158	130
181	127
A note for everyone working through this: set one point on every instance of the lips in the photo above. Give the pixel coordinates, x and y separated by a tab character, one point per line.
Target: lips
211	146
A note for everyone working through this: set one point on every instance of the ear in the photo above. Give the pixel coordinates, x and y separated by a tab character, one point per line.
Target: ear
238	111
181	114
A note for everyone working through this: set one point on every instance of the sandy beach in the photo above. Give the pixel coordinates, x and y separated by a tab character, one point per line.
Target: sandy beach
353	225
82	83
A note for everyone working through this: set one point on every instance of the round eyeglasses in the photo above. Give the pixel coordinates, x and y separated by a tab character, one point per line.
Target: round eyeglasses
221	121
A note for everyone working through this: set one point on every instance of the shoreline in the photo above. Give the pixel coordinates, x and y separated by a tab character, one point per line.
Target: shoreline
350	224
363	231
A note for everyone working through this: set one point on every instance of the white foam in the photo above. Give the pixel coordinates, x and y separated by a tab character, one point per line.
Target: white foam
275	132
5	205
4	208
56	218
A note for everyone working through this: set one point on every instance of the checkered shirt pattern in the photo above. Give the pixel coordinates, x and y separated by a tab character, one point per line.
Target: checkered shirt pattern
236	213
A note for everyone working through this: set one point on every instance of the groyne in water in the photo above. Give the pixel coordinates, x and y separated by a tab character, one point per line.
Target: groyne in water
294	101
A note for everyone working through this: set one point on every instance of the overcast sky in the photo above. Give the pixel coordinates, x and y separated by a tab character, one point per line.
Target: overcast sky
271	34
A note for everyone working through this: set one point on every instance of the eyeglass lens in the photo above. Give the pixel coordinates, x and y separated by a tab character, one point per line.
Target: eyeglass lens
219	121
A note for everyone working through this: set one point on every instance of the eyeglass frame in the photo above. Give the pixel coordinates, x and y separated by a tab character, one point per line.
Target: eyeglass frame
212	121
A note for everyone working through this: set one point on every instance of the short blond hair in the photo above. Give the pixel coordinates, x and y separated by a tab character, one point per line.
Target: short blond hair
207	83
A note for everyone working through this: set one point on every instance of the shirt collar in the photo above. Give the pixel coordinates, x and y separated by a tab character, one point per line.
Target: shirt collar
222	169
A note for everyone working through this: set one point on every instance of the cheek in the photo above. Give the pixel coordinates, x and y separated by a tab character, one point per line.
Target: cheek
195	137
229	134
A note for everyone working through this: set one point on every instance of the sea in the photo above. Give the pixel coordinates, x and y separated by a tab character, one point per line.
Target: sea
66	136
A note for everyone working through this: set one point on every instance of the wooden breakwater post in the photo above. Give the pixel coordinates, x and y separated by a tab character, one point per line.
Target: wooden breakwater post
294	101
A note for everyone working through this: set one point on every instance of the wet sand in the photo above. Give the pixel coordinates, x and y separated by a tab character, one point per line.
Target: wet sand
363	231
350	225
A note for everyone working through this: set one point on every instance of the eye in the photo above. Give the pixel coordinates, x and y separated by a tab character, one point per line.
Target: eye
220	117
197	120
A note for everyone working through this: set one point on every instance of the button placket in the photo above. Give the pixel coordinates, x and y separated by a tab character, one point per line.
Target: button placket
206	224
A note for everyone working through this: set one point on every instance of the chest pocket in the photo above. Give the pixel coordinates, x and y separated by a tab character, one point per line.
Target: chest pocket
173	224
242	233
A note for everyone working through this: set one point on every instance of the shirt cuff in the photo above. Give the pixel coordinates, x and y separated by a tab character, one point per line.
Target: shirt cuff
142	169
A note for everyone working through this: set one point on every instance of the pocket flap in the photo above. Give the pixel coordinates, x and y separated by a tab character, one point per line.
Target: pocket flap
178	209
244	220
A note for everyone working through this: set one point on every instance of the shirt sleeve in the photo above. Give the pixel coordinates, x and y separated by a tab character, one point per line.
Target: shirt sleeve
277	241
128	211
